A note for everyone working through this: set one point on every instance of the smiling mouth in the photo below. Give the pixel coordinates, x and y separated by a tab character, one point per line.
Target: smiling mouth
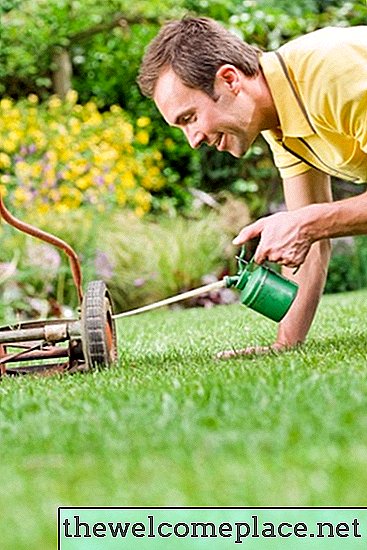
218	143
221	142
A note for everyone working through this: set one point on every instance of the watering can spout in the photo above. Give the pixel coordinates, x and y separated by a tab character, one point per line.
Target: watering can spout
231	280
239	280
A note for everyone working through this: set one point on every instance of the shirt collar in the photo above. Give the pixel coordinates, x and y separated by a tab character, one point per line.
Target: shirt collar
293	118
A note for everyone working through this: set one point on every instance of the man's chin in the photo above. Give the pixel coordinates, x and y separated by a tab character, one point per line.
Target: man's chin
236	149
237	153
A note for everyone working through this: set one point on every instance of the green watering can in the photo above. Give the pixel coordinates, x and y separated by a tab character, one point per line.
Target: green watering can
262	289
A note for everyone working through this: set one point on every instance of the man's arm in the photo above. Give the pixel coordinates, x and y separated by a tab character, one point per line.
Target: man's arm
286	237
309	188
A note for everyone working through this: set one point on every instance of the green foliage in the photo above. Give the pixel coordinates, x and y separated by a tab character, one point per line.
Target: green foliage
106	62
32	32
348	265
9	5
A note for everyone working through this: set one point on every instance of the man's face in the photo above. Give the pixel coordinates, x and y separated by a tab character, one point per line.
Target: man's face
229	122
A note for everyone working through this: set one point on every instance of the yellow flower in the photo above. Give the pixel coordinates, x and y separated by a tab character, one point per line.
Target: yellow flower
36	170
90	151
75	126
127	180
142	136
8	145
5	161
61	208
54	102
139	211
72	97
22	169
6	104
5	178
83	182
157	155
21	195
33	99
143	199
92	118
110	177
120	197
169	143
43	208
143	121
116	109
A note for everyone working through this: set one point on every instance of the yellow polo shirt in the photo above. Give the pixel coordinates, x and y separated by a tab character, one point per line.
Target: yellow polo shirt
319	86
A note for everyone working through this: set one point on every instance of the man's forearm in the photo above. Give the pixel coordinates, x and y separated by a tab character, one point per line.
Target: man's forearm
336	219
311	280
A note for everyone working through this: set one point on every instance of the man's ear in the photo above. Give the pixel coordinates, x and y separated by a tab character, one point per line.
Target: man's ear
229	76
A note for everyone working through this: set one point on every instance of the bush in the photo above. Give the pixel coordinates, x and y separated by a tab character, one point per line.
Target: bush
63	155
348	265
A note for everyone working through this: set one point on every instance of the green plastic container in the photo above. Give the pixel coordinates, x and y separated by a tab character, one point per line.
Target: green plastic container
263	289
269	293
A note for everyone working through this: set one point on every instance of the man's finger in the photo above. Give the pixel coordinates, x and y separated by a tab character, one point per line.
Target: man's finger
260	256
247	233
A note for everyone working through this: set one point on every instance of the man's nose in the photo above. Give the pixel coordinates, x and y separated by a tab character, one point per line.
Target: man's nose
194	137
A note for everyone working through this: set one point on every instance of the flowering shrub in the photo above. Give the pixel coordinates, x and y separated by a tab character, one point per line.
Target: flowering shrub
63	155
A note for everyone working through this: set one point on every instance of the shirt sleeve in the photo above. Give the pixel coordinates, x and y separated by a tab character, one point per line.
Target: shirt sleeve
287	164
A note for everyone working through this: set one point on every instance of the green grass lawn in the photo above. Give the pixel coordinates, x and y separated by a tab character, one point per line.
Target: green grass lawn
173	426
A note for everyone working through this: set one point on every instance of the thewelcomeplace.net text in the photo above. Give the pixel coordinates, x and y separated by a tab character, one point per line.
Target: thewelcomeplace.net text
238	531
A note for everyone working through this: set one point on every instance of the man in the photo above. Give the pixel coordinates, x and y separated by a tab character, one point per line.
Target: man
309	101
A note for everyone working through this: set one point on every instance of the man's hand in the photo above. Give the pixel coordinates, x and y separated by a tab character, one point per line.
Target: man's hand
283	239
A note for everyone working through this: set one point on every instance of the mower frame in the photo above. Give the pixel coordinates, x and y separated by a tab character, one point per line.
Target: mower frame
60	345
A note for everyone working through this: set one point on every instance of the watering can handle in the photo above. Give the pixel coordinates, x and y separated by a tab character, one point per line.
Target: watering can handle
241	260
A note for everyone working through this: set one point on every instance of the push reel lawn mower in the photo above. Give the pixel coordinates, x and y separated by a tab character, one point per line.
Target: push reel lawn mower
56	346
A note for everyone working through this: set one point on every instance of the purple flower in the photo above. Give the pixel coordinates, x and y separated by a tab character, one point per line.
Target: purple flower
99	180
139	282
103	265
45	257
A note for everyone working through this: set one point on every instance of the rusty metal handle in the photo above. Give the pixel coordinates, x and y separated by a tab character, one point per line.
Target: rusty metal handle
48	238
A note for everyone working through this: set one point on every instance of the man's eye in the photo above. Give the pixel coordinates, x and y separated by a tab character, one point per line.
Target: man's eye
186	119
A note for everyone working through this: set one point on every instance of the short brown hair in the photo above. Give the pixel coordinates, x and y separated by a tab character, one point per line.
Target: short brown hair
195	48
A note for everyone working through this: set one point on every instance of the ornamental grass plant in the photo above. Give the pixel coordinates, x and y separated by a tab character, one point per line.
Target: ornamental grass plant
151	261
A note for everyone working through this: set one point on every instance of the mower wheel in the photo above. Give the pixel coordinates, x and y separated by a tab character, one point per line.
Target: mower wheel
98	327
